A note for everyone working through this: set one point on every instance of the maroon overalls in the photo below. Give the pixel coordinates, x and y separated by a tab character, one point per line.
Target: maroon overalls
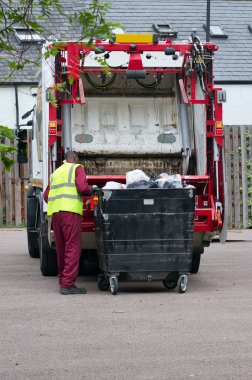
67	233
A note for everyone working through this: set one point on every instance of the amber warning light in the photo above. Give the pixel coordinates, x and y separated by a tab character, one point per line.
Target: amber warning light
219	128
52	128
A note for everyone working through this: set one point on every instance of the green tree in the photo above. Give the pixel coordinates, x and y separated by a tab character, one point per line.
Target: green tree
33	15
5	150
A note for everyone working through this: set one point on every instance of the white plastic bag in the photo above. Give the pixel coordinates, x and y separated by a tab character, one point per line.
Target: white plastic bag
177	181
111	185
161	182
136	176
170	181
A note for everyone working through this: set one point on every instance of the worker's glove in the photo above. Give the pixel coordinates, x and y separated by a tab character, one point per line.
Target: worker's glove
95	187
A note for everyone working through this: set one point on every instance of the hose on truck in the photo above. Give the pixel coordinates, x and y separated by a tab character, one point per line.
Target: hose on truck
100	86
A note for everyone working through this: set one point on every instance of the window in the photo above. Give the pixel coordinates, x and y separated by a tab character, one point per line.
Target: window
216	31
27	35
164	30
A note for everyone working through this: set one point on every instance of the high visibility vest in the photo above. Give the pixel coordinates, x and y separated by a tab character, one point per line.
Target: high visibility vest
63	194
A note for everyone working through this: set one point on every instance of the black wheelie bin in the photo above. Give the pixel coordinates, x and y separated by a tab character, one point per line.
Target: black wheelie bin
144	234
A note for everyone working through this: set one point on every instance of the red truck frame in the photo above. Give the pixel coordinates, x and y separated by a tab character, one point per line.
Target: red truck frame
209	187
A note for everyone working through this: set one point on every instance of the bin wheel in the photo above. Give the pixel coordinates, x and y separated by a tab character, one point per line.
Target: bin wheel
113	281
103	282
182	283
170	283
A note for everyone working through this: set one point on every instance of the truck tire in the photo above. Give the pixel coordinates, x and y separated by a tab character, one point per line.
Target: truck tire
195	264
32	228
32	240
48	262
198	249
48	257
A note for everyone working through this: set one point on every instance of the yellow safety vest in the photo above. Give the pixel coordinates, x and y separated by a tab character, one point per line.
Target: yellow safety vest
63	194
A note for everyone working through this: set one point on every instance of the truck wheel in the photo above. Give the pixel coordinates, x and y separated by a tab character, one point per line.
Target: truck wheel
48	257
48	261
195	264
32	229
32	239
198	250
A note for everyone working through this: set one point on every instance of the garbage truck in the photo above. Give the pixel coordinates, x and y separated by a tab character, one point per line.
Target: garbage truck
136	101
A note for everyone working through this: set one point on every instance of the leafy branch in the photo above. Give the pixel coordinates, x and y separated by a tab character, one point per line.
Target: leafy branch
6	150
34	16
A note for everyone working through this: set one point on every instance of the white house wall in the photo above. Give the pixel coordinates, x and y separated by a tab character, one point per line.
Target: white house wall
8	109
236	111
238	108
26	100
8	104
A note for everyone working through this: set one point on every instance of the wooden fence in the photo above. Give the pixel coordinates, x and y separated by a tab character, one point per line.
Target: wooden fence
238	155
13	193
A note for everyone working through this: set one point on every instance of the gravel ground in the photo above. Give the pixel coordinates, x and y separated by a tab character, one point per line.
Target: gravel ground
145	332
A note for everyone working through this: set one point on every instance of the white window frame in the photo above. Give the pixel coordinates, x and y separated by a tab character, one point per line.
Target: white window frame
27	36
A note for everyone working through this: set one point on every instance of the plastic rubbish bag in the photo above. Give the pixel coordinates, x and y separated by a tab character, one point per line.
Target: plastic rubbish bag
169	181
164	175
136	176
185	186
137	179
111	185
143	185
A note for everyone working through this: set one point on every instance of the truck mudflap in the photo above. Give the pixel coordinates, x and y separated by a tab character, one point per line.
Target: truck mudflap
223	233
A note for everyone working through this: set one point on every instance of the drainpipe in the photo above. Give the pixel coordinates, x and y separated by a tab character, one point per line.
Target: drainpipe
17	105
18	216
208	21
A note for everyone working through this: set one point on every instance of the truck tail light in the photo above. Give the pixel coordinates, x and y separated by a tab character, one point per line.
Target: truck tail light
90	204
196	200
219	128
95	200
52	128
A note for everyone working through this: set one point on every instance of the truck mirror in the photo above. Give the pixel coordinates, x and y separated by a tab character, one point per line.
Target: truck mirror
22	155
27	113
22	134
29	123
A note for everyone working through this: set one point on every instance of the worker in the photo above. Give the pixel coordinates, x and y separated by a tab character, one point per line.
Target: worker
68	184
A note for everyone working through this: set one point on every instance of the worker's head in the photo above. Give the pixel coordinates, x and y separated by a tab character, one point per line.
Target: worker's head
71	156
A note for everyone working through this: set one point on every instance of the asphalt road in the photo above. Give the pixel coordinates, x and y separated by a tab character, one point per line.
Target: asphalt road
145	332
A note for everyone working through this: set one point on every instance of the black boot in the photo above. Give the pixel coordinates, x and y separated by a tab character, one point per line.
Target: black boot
73	290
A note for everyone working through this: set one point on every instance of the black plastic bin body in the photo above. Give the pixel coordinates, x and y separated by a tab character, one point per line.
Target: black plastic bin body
145	234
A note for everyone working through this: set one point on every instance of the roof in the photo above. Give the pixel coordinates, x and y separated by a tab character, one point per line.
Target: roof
233	61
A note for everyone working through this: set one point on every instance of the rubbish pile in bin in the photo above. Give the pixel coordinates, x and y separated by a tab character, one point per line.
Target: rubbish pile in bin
137	179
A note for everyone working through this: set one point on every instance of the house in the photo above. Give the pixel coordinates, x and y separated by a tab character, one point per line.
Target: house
231	30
